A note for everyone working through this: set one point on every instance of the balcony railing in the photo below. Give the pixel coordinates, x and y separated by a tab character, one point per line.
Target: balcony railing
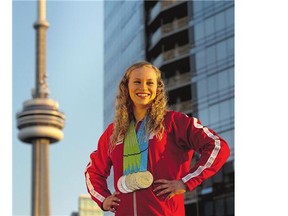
178	51
176	24
170	54
185	106
166	4
178	80
168	28
160	6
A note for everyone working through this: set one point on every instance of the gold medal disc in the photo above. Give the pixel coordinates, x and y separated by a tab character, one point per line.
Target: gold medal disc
143	179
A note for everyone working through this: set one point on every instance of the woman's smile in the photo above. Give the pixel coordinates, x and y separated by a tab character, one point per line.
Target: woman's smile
143	95
142	87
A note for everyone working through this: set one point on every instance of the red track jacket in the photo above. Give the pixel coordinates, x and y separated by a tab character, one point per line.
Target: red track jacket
169	158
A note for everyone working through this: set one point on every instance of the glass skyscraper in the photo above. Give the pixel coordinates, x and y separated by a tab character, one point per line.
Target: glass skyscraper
214	65
213	25
192	42
124	44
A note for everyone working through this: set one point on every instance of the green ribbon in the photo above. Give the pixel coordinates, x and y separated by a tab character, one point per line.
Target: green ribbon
135	149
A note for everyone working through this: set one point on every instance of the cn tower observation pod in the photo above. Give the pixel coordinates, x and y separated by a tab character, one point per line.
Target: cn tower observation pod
40	118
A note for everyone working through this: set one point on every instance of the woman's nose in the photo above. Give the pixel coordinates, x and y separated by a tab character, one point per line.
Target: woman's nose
143	86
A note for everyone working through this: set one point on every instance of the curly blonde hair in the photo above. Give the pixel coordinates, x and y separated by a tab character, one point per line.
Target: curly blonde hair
124	105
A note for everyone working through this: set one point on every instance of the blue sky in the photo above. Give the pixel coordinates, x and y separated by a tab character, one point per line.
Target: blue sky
75	80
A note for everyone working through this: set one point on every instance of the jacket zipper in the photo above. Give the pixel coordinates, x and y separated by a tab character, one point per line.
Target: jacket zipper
134	204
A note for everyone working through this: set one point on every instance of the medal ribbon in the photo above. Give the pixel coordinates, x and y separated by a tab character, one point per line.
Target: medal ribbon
135	149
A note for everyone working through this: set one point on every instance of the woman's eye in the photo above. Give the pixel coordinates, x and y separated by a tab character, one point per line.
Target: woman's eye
150	83
137	82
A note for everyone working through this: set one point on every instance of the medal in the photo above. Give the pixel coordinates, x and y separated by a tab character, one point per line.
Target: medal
135	181
143	179
122	185
135	156
131	182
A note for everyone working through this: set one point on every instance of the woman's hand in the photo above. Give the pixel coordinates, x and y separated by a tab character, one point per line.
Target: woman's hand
171	187
111	202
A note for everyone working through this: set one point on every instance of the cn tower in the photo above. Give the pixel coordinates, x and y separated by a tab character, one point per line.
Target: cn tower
40	123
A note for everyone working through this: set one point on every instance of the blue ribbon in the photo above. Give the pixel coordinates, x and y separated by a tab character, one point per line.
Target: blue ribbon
143	140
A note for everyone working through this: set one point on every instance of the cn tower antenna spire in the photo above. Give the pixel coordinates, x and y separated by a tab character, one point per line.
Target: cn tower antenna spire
41	25
40	123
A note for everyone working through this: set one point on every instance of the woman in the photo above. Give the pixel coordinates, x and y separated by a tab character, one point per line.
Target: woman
150	149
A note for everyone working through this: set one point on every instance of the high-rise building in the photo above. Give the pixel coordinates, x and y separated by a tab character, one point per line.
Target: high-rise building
192	42
87	207
124	44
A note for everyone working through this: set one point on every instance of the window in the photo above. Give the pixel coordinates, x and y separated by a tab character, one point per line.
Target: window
212	84
224	110
200	59
214	114
223	80
204	116
201	89
208	4
229	17
219	22
221	50
232	106
199	31
230	205
209	26
228	136
230	46
208	208
231	76
197	6
211	55
218	177
219	207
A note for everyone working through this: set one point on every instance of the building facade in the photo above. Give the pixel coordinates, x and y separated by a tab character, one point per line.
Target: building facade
124	44
192	42
87	207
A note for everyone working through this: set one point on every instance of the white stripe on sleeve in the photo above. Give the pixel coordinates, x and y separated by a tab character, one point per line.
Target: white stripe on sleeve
91	188
212	157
